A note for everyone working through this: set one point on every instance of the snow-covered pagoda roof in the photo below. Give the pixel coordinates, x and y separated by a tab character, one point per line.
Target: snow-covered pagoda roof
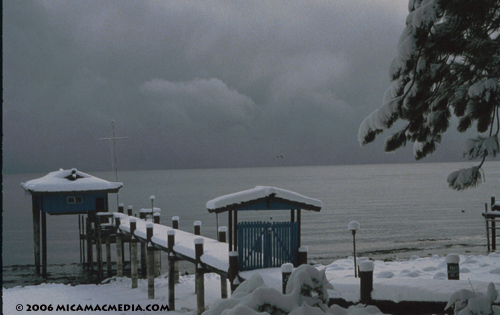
70	180
263	198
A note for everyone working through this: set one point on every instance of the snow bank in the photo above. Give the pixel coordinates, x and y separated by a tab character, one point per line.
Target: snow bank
414	279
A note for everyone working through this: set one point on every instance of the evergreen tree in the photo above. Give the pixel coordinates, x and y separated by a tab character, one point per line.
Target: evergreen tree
448	62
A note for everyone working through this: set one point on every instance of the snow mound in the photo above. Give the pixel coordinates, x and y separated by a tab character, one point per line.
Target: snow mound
306	294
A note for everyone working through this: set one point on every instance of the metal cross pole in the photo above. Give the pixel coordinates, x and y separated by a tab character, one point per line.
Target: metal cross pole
113	153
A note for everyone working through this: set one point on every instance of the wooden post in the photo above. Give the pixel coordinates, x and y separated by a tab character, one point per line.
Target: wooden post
44	244
108	255
175	225
120	208
171	269
98	246
487	227
299	230
302	255
197	227
80	237
142	216
235	230
133	253
223	280
36	233
156	220
230	222
452	261
83	238
90	258
151	261
119	248
366	281
286	271
493	228
233	270
200	277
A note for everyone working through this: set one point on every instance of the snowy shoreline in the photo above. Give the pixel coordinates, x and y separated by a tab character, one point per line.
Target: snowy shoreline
407	278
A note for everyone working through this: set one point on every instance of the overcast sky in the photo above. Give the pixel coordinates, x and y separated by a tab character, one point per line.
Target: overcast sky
196	83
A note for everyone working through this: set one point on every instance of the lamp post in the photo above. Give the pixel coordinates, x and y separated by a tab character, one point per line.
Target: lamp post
353	227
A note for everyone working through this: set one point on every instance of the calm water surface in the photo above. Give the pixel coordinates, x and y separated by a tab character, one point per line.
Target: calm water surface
404	209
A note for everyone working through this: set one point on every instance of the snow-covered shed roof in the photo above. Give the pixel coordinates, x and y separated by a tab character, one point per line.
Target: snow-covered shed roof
263	198
70	180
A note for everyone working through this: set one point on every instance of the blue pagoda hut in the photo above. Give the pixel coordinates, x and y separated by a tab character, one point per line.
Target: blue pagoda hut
65	192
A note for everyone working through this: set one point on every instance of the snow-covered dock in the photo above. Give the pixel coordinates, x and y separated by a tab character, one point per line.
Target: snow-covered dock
215	255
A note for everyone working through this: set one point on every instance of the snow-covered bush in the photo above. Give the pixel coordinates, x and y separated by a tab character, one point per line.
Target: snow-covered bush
306	294
465	302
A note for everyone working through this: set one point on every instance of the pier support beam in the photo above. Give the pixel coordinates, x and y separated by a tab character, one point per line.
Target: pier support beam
233	270
200	276
133	253
119	248
108	256
36	233
366	281
142	216
90	258
156	220
44	244
151	262
171	269
223	280
175	225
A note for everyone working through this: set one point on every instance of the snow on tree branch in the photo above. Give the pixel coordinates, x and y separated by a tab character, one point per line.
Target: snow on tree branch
447	62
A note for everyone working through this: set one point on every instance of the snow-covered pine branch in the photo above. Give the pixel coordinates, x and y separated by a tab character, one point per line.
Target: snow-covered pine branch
447	61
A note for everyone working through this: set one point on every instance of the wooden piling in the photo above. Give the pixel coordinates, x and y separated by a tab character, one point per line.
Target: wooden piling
108	256
150	262
197	227
119	248
44	244
156	220
366	281
90	258
142	216
36	233
286	271
302	257
120	208
452	261
223	280
80	237
99	247
200	277
175	225
133	253
493	228
233	270
171	269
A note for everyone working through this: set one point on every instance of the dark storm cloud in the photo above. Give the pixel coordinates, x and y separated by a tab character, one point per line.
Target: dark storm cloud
193	83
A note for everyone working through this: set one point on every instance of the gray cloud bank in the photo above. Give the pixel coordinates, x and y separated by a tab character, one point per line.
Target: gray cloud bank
195	83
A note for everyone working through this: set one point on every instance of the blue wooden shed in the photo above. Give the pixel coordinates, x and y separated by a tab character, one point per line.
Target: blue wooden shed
65	192
264	244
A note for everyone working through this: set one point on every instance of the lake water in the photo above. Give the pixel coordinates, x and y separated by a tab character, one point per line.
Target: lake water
403	209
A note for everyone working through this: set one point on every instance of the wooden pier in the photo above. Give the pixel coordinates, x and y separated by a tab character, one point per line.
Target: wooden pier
491	218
